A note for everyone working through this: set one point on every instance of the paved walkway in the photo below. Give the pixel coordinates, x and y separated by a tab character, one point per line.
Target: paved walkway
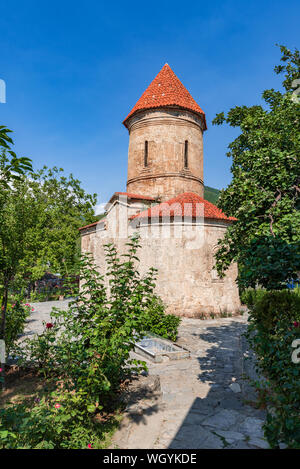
41	315
203	403
204	399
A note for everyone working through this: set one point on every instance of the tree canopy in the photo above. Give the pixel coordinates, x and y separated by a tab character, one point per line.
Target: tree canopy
265	187
11	167
40	213
39	219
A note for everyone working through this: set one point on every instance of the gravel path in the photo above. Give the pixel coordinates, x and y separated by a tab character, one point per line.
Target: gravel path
204	400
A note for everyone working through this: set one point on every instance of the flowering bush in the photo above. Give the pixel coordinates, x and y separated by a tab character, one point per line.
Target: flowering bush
86	351
47	424
88	346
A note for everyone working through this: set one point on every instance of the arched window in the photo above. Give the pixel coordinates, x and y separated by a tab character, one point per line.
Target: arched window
186	154
146	154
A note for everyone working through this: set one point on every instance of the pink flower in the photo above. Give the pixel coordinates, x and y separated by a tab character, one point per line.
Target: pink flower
1	370
49	325
296	324
32	309
57	406
90	446
13	305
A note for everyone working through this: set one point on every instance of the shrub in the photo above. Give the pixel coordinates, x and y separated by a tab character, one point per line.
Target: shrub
86	351
297	291
155	320
16	316
88	346
274	306
53	421
250	295
273	327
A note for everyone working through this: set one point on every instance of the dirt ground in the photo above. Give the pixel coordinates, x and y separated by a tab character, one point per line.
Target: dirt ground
20	385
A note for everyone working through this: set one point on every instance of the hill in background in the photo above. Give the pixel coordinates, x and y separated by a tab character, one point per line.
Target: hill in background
211	194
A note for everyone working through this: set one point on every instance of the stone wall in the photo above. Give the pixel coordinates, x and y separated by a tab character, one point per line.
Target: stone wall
184	256
166	131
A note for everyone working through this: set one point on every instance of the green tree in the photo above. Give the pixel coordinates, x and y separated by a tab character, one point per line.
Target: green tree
39	219
265	187
11	167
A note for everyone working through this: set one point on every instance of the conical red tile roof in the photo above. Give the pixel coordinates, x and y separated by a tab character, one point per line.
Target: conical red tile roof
187	204
166	90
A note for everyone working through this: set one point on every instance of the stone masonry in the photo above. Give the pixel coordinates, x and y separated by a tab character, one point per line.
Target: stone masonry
166	132
179	230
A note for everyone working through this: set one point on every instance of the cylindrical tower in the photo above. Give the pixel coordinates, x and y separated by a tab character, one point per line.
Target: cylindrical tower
165	127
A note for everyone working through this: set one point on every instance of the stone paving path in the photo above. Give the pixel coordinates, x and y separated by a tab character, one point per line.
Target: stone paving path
198	406
41	314
203	402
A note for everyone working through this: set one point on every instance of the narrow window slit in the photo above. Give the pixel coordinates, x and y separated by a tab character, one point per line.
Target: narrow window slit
146	154
186	150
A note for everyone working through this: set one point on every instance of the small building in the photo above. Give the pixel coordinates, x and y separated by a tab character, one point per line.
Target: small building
164	203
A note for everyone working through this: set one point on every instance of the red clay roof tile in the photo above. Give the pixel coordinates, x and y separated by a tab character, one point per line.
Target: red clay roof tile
166	90
90	225
187	204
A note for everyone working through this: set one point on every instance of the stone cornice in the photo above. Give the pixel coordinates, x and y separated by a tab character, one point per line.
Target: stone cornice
165	117
164	175
154	121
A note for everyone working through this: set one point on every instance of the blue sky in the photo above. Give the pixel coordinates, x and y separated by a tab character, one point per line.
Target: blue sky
73	71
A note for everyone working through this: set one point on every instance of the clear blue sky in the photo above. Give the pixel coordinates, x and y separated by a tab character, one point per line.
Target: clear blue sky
73	71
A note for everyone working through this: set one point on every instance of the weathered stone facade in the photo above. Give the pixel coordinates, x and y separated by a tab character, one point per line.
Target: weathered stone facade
183	253
165	160
166	173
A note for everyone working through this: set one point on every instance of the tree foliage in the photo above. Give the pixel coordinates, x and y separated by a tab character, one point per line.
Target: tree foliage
265	187
11	167
274	335
40	214
39	218
85	356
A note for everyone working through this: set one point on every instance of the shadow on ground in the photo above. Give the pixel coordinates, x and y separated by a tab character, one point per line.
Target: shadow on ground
224	418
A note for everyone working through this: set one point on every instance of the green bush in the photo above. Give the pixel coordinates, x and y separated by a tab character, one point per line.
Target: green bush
87	350
274	325
274	306
155	320
297	291
250	295
55	421
89	344
16	316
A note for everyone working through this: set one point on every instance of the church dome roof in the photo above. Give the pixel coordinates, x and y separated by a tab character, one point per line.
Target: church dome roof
166	90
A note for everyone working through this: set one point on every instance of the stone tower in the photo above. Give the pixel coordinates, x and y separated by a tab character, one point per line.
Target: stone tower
179	234
166	126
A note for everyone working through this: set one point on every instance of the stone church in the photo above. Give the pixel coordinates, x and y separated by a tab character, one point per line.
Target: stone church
164	202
